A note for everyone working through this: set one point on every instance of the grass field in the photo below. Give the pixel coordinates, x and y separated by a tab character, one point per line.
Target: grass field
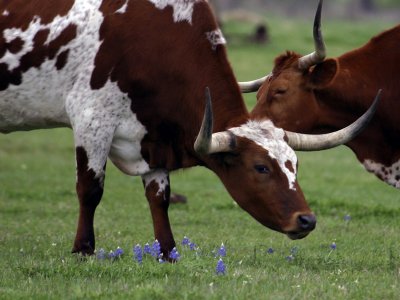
357	212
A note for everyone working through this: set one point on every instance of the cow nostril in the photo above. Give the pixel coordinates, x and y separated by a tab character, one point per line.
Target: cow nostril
307	222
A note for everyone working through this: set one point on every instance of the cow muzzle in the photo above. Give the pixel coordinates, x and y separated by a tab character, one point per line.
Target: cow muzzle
303	225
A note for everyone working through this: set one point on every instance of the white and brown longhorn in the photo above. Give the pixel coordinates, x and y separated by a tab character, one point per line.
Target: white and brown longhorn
112	72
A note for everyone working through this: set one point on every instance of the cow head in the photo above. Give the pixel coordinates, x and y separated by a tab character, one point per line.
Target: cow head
258	166
288	95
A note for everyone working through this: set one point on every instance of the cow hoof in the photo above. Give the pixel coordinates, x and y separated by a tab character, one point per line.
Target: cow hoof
177	198
84	249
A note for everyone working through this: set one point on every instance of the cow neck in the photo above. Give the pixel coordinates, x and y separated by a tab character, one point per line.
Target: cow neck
183	123
347	98
358	79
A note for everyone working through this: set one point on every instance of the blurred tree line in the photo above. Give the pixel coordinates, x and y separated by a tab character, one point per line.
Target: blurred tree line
254	12
367	5
337	8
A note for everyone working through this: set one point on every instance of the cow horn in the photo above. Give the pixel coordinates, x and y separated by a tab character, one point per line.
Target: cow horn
319	54
308	142
207	142
254	85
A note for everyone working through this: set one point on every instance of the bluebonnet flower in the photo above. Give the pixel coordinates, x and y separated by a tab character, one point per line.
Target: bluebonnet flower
137	251
185	241
118	252
333	246
270	250
289	258
156	249
101	254
111	255
192	246
220	268
222	250
147	249
294	251
174	254
347	218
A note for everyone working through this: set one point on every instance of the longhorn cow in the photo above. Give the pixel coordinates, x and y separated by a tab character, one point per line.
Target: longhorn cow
128	77
311	94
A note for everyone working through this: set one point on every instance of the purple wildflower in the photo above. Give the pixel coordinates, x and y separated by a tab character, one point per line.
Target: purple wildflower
222	250
174	254
101	254
270	250
192	246
333	246
220	268
161	261
111	255
138	253
289	258
156	249
294	251
118	252
147	249
347	218
185	241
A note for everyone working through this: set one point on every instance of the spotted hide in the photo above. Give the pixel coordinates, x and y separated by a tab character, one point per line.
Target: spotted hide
129	78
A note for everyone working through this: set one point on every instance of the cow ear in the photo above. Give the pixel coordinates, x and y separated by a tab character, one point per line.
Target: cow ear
323	74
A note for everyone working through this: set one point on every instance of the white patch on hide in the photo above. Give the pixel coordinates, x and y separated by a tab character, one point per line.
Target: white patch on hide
104	124
159	176
391	174
39	101
102	120
12	60
183	9
123	8
216	38
271	138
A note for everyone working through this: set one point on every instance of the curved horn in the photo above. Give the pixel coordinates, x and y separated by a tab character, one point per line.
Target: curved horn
252	86
319	54
207	142
308	142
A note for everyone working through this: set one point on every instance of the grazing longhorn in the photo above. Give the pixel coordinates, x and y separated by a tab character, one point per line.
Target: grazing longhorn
128	77
311	94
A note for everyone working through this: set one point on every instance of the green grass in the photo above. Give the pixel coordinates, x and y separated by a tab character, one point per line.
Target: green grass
38	214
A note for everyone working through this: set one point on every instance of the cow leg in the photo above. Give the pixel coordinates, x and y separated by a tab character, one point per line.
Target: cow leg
157	188
89	187
93	139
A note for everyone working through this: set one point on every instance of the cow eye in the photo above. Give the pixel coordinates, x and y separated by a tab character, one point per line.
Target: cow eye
262	169
280	91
